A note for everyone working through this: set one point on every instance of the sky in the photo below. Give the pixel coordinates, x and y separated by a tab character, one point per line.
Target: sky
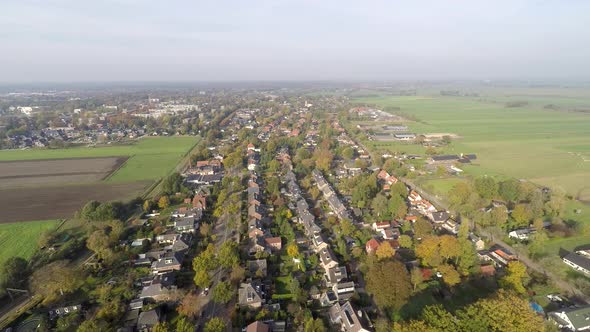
260	40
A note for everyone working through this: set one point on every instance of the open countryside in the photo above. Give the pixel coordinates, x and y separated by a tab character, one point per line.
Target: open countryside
549	147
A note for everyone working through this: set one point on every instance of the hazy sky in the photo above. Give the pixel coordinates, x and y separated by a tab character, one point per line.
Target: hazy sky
131	40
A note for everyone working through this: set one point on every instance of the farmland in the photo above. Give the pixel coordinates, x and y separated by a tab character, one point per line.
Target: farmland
547	146
25	244
39	184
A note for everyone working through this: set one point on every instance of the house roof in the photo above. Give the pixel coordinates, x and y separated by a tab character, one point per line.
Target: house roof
247	294
578	260
372	244
149	318
257	326
440	216
273	240
579	317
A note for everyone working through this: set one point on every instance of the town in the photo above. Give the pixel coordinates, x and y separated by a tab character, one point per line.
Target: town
286	216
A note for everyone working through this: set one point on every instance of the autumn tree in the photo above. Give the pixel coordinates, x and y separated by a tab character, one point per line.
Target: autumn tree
161	327
422	228
397	206
385	251
293	250
450	276
191	305
55	279
163	202
516	276
522	215
183	324
202	279
429	251
389	282
499	216
509	190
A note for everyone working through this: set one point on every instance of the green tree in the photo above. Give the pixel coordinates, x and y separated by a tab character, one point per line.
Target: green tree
223	292
397	206
184	325
405	241
486	187
499	216
215	324
379	206
55	279
389	282
147	206
161	327
314	325
537	243
13	273
416	277
88	211
172	184
509	190
228	255
202	279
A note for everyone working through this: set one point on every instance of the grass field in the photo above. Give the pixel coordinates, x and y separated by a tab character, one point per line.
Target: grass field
545	146
440	187
150	158
20	239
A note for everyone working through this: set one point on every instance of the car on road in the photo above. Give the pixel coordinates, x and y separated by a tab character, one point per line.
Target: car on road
205	291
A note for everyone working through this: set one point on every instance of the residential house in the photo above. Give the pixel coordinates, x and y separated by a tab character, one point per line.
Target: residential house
521	234
258	326
371	246
477	241
345	318
274	243
572	319
148	319
335	275
249	295
344	290
185	225
170	261
159	289
327	259
440	217
577	262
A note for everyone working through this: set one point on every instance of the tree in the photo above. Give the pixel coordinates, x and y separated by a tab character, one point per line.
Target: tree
206	260
147	206
379	206
184	325
161	327
215	324
385	251
439	319
205	230
55	279
450	276
100	243
537	243
499	216
202	279
429	251
172	184
399	189
422	228
191	305
449	246
87	212
389	282
459	194
509	190
416	277
163	202
13	273
467	257
293	250
397	206
314	325
405	241
486	187
522	215
516	276
222	292
228	255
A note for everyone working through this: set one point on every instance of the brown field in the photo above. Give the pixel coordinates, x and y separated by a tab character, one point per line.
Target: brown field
55	202
29	173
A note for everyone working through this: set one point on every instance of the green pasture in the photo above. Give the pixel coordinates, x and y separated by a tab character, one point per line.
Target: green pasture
545	146
440	187
150	158
20	239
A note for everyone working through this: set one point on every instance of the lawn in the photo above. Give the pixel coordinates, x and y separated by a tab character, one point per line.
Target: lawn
282	288
571	242
150	158
545	146
20	239
441	187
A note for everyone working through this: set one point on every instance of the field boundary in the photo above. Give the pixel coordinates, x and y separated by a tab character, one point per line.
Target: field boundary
110	175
